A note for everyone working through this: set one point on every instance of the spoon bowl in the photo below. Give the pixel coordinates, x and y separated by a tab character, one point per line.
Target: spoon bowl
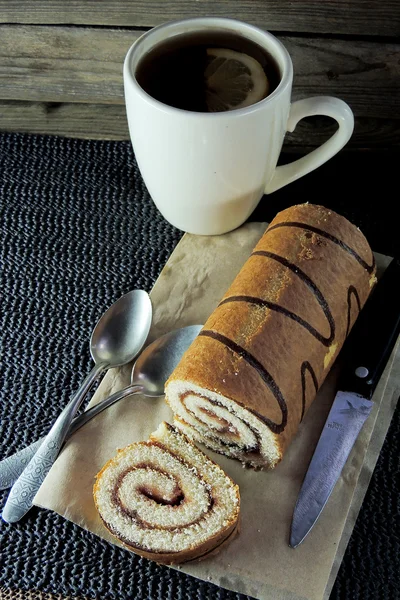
149	373
121	331
156	363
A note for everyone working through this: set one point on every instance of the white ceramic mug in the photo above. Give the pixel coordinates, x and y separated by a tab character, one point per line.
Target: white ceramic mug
206	172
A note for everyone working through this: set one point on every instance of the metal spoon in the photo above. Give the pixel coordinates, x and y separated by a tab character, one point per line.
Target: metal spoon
148	377
116	339
150	371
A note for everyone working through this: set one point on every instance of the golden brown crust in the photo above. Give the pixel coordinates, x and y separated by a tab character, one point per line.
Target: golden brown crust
310	269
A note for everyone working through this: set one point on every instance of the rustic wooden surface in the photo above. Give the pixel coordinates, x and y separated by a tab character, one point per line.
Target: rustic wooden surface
85	65
108	122
351	17
61	61
57	66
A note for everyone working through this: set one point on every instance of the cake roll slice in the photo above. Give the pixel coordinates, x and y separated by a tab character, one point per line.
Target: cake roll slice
166	500
246	382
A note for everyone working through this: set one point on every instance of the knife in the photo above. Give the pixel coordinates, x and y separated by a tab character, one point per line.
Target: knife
366	353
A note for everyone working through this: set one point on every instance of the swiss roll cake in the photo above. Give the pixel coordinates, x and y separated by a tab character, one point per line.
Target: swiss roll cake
245	384
166	500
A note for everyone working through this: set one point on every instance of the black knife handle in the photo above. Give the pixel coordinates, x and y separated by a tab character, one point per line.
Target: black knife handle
373	336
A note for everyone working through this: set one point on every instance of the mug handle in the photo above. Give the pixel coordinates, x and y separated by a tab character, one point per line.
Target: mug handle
319	105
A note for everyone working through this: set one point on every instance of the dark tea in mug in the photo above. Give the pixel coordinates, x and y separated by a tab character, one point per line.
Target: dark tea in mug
209	71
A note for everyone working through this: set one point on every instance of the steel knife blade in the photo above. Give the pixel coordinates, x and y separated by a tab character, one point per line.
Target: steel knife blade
366	353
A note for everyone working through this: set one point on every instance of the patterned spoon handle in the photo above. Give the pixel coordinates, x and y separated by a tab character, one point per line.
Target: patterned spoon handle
12	466
24	489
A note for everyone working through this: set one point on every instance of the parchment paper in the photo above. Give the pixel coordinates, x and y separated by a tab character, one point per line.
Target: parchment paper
259	561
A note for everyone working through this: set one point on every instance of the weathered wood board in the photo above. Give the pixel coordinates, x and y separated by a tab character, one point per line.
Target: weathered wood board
357	17
62	64
108	122
61	61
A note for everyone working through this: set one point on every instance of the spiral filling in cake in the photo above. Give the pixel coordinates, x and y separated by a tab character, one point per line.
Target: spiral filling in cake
222	424
165	496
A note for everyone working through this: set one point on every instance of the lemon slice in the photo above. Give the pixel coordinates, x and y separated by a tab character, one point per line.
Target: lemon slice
233	80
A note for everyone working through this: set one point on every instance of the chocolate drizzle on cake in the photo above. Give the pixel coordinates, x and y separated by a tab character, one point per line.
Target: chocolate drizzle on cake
328	236
261	370
276	332
304	368
351	292
284	311
315	290
326	341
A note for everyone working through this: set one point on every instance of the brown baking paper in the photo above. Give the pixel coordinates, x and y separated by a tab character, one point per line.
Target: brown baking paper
259	561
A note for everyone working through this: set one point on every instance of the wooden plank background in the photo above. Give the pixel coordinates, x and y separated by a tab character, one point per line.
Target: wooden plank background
61	62
351	17
108	122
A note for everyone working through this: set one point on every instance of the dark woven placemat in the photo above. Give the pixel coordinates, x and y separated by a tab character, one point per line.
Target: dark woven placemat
78	229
